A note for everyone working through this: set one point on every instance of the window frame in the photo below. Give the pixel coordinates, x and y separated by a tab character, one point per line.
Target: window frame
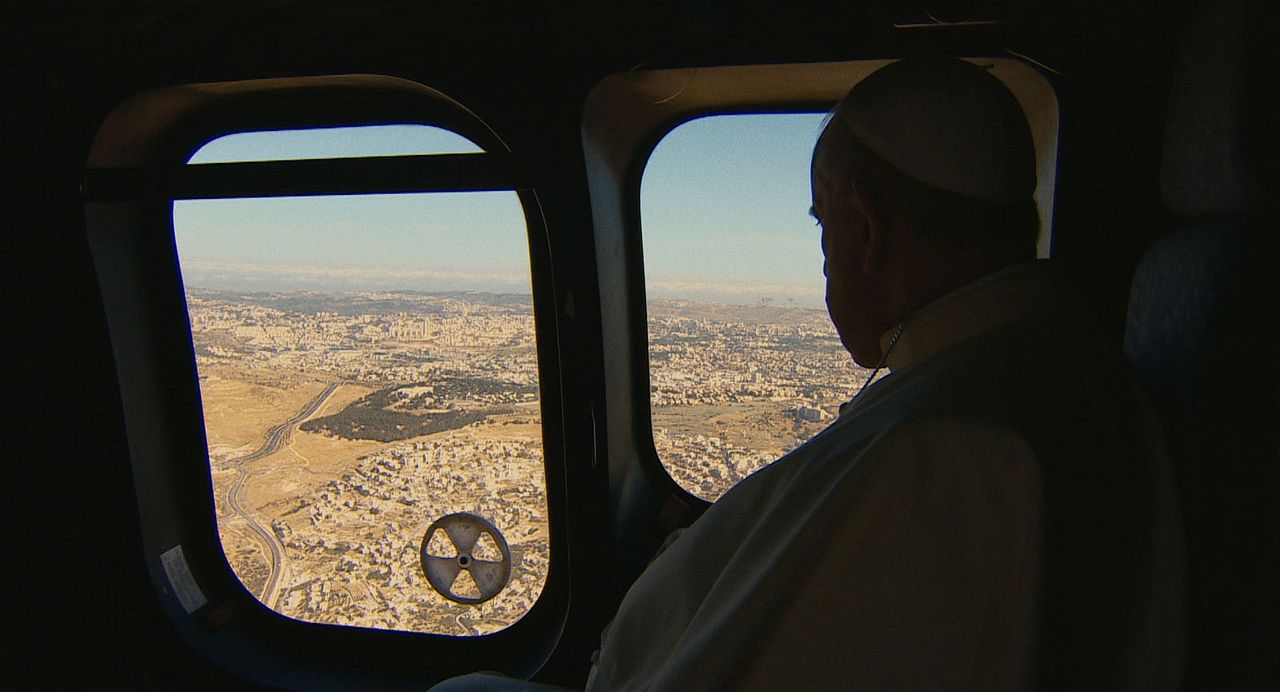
625	117
136	170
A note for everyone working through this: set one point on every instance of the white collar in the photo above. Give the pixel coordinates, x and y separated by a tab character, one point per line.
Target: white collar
999	298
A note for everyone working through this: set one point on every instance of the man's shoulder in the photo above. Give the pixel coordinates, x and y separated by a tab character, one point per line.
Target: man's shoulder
907	448
1049	360
922	439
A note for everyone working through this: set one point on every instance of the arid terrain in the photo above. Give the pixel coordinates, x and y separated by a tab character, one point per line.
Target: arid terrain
341	425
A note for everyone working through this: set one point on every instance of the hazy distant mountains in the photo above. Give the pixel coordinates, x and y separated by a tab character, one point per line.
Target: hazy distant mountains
366	302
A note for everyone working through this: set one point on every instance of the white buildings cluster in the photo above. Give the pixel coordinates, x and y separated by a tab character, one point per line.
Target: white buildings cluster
704	365
429	335
352	544
715	362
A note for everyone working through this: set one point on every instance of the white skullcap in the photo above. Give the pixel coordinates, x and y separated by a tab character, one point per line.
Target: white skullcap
946	123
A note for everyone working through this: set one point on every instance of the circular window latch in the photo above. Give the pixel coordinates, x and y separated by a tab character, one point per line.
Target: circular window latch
465	558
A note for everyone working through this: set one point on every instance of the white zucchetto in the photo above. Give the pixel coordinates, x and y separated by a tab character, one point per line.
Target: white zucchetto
946	123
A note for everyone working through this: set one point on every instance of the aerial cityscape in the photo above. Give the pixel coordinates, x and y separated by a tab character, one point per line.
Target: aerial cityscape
734	387
342	424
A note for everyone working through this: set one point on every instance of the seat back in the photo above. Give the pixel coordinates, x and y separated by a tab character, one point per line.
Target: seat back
1201	331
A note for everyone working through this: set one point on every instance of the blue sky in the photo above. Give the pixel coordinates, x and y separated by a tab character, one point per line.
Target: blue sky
724	204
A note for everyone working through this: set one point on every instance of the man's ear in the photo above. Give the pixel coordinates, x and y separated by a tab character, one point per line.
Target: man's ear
868	200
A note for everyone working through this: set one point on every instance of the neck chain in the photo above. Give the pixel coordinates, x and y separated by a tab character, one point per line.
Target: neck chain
893	341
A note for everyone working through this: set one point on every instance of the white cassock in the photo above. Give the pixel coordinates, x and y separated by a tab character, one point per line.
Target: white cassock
996	514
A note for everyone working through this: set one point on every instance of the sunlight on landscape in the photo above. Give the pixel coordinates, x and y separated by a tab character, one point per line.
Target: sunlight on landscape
367	366
341	424
744	364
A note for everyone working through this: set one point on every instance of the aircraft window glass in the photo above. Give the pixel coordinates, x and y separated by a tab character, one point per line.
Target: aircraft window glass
333	143
367	367
744	364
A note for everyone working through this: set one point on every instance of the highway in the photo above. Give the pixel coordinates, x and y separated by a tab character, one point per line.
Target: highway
277	438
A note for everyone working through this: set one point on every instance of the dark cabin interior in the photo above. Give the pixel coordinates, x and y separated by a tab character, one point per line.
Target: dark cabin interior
89	613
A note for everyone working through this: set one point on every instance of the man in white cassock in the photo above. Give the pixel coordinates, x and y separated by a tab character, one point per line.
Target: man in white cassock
998	513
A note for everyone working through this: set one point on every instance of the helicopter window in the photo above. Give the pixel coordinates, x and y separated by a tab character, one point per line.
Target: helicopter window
367	366
744	363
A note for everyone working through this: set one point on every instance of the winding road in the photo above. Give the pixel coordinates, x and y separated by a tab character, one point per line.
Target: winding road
277	438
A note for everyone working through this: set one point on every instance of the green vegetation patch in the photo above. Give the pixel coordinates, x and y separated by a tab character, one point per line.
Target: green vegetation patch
371	419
